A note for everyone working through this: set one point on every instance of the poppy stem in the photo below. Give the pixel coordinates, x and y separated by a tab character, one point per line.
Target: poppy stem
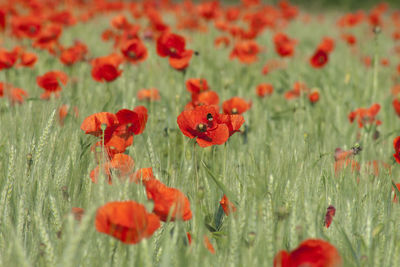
195	167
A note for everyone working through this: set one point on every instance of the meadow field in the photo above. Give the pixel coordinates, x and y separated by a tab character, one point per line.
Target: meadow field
160	133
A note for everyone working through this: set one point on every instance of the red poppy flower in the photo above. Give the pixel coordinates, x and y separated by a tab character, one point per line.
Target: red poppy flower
208	244
195	86
121	166
264	89
27	59
151	94
73	54
51	83
26	26
330	213
385	62
365	115
132	121
143	175
206	241
313	97
48	38
93	123
222	40
127	221
106	68
235	105
343	154
181	61
227	206
349	39
7	58
284	46
396	145
311	252
319	59
169	203
327	45
173	46
170	45
120	22
396	106
209	98
134	51
273	64
209	9
63	17
373	167
202	122
245	51
298	88
63	112
234	122
2	19
15	95
346	163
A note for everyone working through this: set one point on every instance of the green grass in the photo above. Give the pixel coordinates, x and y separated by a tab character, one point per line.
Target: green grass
282	177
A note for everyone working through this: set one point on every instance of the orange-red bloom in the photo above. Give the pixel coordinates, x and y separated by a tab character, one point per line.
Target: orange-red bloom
209	97
365	115
51	82
284	46
151	94
245	51
202	122
134	51
349	39
264	89
313	97
227	206
319	59
93	124
169	203
312	253
173	46
235	105
27	59
106	68
121	165
196	86
327	45
7	58
396	106
127	221
396	145
330	213
73	54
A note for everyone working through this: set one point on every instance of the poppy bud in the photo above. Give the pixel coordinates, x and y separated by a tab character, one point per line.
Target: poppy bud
200	192
282	213
103	127
377	30
251	237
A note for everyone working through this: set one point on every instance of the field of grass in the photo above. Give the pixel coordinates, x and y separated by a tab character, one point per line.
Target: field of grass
279	170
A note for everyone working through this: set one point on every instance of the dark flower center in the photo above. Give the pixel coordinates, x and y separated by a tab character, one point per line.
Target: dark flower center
234	111
209	117
132	54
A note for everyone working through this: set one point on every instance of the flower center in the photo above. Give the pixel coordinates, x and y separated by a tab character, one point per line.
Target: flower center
132	54
234	111
201	127
209	117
